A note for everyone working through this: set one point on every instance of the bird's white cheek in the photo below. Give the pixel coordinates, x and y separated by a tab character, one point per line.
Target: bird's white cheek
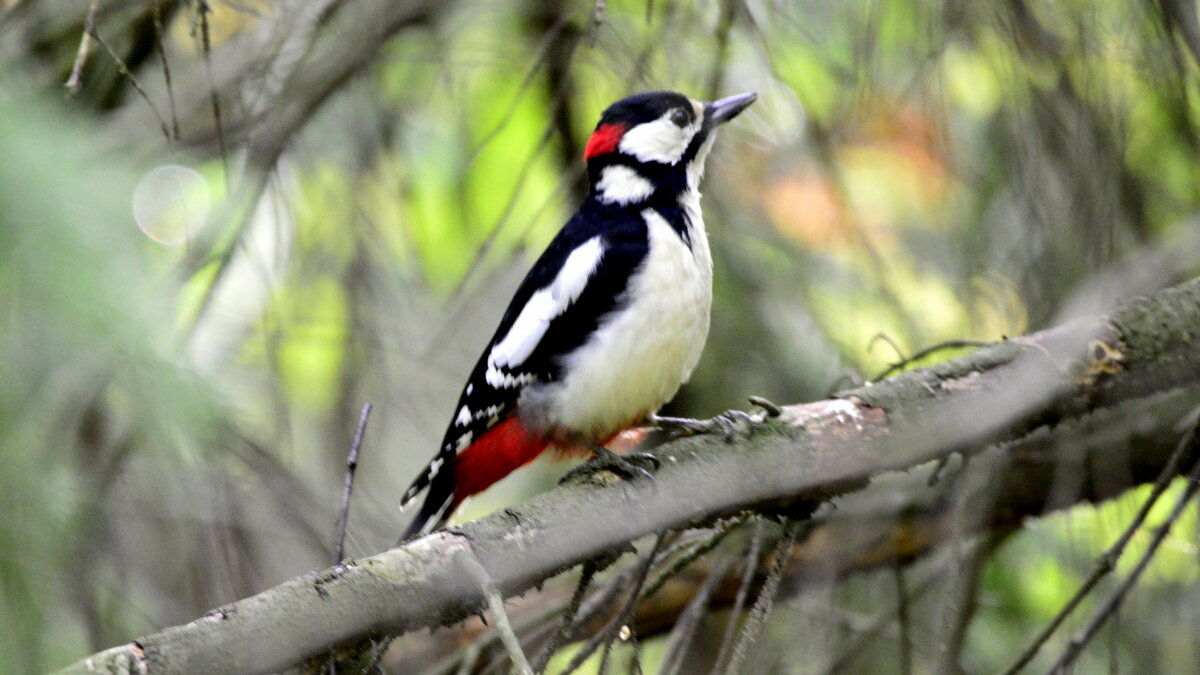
657	141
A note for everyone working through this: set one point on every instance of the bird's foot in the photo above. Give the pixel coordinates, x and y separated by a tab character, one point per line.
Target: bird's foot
628	466
730	424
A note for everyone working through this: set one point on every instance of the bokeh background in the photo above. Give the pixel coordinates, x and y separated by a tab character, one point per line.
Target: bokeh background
225	225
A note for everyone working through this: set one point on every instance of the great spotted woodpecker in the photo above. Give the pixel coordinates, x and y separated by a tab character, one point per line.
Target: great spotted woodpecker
610	320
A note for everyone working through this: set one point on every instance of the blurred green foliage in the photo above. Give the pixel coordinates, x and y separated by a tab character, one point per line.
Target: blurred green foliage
172	420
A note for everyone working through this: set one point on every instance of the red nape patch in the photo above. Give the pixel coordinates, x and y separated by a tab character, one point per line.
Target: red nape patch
497	453
604	140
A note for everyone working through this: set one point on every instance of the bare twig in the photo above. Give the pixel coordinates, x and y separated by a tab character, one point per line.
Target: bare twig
905	360
202	10
495	603
568	617
539	62
609	632
156	9
133	81
963	601
1110	606
884	337
695	551
684	629
348	483
884	618
75	81
743	591
1108	560
766	597
635	656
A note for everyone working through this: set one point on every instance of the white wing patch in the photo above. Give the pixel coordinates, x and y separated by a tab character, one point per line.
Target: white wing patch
622	185
464	416
658	141
435	466
501	380
542	308
464	441
488	411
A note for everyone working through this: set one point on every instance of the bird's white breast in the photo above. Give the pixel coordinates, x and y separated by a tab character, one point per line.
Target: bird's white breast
642	352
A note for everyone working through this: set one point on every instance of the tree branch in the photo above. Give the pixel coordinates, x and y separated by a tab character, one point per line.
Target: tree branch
1001	393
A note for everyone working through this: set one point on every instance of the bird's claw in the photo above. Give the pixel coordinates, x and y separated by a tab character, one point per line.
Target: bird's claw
628	466
729	424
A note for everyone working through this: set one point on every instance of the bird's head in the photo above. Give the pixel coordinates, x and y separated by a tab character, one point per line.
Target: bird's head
654	144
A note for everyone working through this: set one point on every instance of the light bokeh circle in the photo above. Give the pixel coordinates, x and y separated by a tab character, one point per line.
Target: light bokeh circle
171	203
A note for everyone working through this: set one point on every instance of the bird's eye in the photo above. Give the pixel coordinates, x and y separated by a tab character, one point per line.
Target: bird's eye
679	117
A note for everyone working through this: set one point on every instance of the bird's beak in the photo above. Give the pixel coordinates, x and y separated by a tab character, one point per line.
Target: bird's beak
728	108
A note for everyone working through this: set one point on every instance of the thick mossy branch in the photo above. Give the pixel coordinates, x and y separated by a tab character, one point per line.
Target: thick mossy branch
812	452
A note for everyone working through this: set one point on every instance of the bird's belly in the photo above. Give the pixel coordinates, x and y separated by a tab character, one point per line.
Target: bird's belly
644	351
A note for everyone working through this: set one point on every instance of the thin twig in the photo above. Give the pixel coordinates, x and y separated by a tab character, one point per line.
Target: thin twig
156	9
610	630
684	629
905	360
133	81
881	620
202	9
1077	643
739	600
540	58
1108	560
532	629
568	617
500	617
963	602
75	81
602	599
635	656
766	597
691	554
518	190
884	337
348	483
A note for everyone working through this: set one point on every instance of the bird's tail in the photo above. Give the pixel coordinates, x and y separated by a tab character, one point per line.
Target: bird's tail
439	500
451	479
433	514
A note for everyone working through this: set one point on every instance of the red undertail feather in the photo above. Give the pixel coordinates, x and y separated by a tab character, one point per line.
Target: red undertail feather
497	453
604	140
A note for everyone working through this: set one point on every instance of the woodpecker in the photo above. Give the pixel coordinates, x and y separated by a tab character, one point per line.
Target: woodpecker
610	320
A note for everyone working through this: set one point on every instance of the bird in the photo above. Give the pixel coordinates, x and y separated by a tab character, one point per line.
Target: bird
609	321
